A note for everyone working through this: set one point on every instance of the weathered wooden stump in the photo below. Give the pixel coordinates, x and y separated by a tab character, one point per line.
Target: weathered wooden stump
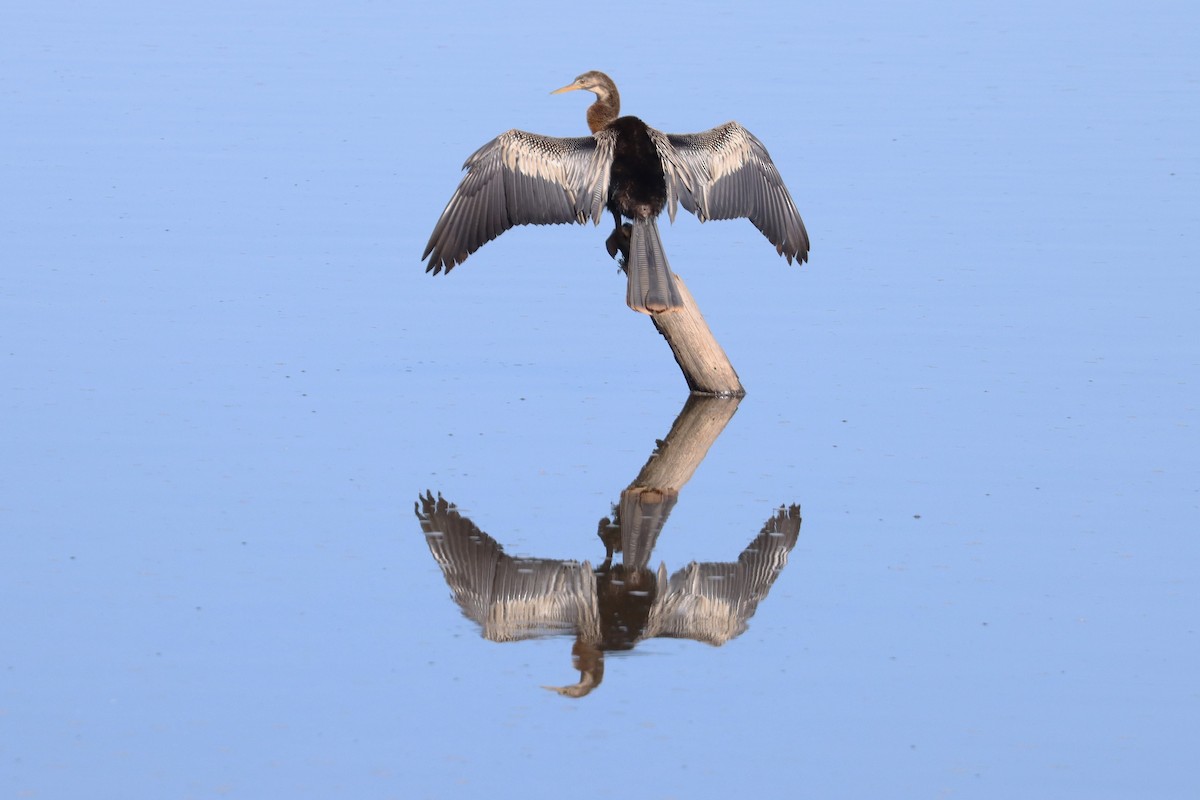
705	366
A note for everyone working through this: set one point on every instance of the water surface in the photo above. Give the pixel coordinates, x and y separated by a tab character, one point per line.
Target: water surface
227	382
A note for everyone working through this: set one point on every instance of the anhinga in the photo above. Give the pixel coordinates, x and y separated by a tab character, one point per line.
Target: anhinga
631	169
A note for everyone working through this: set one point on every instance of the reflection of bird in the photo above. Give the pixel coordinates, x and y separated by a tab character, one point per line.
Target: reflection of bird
609	608
635	171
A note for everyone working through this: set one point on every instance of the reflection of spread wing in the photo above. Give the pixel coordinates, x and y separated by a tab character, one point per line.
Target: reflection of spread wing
712	603
512	598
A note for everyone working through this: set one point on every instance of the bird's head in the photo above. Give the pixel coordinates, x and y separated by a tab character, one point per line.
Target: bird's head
595	82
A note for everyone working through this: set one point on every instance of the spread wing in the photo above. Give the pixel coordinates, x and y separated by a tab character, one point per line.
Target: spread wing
713	602
725	173
520	178
510	598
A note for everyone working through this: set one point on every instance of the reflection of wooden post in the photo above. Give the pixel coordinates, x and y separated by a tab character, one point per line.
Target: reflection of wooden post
705	365
676	458
648	501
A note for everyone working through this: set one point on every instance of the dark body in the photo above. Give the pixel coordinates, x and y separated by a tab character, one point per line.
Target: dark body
637	191
637	188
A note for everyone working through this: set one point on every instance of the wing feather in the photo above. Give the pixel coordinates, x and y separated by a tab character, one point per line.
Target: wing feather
520	178
725	173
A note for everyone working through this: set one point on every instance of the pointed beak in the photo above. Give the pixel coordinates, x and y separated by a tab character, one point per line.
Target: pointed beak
568	88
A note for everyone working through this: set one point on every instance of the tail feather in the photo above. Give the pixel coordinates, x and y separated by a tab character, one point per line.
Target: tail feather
651	284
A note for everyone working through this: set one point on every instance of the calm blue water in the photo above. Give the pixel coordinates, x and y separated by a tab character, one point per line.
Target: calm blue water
225	380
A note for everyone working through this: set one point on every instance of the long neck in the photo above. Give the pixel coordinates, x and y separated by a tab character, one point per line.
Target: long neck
606	108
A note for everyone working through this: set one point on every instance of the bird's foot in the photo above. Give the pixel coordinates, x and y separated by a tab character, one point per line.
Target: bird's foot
618	242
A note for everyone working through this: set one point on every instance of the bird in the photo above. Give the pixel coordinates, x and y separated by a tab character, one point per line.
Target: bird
628	168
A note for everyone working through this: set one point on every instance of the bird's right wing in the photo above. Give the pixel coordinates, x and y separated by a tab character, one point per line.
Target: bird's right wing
521	178
726	173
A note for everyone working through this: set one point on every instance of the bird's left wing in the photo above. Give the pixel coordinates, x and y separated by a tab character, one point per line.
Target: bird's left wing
520	178
725	173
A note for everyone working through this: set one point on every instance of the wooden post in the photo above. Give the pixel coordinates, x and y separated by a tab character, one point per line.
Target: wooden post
705	366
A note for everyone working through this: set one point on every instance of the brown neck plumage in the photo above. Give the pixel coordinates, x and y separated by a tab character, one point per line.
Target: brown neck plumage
606	108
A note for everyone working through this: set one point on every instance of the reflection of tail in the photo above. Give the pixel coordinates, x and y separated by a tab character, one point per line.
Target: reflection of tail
651	284
642	514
